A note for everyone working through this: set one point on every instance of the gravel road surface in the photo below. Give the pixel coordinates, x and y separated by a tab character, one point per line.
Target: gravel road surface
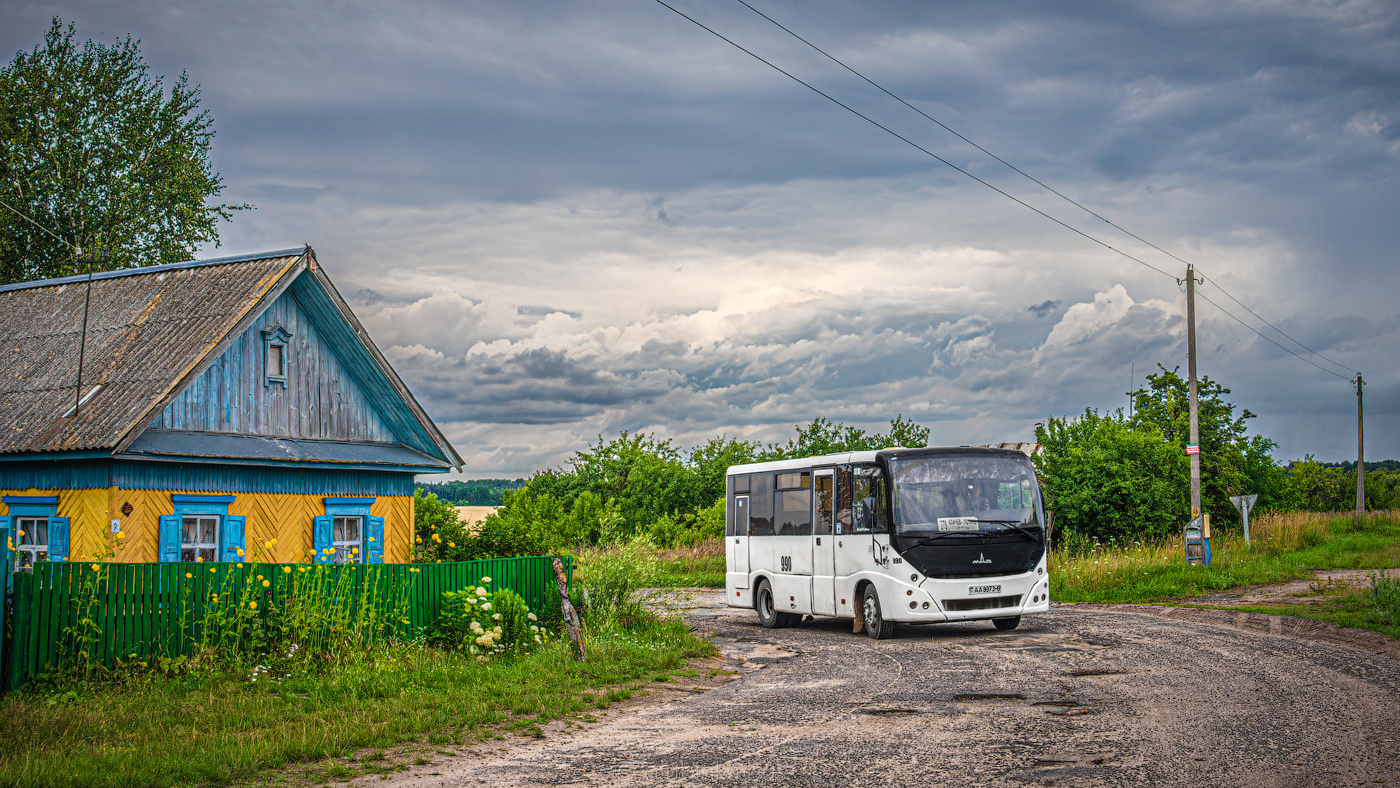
1072	698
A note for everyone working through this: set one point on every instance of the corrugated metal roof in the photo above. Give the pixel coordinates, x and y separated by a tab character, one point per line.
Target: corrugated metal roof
147	328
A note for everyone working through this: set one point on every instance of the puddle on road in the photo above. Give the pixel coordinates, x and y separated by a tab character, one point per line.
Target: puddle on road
986	696
752	652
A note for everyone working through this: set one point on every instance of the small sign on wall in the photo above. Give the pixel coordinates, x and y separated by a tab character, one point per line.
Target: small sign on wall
116	526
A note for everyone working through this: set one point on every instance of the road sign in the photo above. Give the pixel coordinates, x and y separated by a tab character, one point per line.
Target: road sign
1244	503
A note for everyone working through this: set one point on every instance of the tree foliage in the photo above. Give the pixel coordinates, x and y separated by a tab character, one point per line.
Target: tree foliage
1105	479
93	149
1232	461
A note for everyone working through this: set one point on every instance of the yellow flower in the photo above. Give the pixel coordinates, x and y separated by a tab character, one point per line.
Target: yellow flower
212	569
259	577
199	559
20	532
437	538
94	567
121	534
451	544
240	552
266	584
273	540
253	605
240	564
371	538
286	570
187	574
418	539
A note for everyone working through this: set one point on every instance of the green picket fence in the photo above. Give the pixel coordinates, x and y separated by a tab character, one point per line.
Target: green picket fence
109	612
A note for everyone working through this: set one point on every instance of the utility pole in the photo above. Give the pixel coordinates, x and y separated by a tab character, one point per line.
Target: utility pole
1360	454
1193	448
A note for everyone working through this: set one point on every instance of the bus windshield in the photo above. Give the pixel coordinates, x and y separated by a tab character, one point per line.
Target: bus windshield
963	492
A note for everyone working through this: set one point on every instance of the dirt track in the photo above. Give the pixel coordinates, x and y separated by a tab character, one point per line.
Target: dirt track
1078	697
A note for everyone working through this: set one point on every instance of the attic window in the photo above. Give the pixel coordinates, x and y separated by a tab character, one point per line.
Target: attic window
275	361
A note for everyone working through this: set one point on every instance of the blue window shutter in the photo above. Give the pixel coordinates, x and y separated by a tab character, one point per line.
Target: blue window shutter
321	538
232	540
58	538
374	541
7	541
169	538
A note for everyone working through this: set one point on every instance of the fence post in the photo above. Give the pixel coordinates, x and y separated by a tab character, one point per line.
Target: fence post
567	608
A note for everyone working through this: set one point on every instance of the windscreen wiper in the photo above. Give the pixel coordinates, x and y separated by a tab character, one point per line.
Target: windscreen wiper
935	537
1039	536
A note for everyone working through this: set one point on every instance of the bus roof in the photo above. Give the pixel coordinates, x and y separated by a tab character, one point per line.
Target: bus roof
852	457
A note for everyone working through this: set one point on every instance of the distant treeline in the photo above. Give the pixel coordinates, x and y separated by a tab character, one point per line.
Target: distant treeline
477	492
1371	467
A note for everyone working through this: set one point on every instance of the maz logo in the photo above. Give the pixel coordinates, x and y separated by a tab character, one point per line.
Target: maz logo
785	563
982	559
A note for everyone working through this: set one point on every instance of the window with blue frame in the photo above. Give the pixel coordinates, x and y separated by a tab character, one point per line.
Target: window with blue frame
201	529
348	533
36	531
275	357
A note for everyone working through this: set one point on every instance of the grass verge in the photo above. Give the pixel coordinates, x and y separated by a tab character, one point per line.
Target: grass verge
1285	547
700	566
152	730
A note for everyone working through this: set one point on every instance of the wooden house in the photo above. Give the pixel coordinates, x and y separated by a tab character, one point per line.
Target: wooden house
227	408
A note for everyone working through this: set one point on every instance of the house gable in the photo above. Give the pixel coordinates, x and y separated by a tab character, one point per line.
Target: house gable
319	398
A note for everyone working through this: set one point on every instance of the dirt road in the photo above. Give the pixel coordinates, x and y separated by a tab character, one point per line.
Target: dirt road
1073	698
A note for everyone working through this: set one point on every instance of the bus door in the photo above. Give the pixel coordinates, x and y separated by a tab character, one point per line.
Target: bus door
854	552
737	544
824	544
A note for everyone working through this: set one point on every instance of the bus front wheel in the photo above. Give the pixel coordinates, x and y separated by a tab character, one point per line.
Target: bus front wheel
875	624
1006	624
768	614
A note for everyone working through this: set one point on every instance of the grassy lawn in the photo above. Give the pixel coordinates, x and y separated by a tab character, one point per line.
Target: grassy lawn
1285	547
211	729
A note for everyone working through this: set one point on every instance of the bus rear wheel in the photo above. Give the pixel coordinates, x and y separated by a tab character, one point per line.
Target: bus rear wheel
875	624
768	613
1006	624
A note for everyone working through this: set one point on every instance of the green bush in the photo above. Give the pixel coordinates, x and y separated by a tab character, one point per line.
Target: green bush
481	622
1383	602
612	579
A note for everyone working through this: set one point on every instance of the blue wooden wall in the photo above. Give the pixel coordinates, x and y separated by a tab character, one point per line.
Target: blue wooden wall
320	399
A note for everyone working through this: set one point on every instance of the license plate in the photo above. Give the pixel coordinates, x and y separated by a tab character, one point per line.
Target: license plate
958	524
996	589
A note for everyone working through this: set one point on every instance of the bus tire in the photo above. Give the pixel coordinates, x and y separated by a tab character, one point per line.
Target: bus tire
875	624
1006	624
768	615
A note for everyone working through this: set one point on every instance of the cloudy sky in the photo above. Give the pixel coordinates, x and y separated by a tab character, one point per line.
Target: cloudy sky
561	220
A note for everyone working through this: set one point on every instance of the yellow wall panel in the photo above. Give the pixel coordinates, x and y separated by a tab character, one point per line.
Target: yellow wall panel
285	517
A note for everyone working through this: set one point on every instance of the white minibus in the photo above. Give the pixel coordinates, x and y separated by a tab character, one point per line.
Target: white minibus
918	536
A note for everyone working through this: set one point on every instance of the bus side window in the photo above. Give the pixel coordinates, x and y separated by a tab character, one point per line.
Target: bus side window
792	504
843	500
761	504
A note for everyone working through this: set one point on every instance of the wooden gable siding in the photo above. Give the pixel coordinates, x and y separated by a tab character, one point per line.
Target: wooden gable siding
320	398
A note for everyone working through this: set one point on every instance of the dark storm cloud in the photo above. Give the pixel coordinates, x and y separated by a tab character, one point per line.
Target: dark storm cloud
561	220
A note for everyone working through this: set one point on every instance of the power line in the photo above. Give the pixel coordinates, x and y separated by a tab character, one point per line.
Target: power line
1030	177
1270	340
1276	328
908	141
21	215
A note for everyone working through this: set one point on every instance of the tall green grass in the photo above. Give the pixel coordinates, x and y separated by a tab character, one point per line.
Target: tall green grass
1284	547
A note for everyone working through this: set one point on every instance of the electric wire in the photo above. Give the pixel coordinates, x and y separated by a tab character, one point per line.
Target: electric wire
910	142
1270	339
1217	286
55	235
1032	178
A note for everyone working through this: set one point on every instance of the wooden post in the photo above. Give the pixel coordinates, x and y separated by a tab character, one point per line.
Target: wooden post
1360	455
1193	448
567	608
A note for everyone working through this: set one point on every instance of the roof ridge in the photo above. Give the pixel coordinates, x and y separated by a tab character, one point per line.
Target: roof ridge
151	269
